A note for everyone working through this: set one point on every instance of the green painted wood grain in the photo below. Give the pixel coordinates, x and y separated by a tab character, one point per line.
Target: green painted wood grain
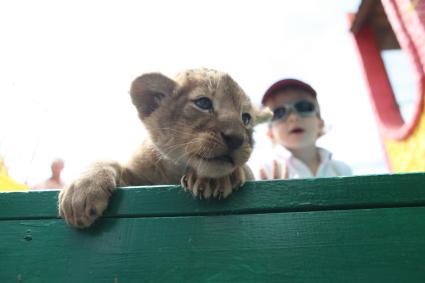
255	197
362	245
349	229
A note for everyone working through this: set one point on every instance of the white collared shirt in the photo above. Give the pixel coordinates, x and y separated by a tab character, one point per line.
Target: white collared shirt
293	168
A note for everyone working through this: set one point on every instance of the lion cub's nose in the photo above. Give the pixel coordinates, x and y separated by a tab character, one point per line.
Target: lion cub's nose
232	141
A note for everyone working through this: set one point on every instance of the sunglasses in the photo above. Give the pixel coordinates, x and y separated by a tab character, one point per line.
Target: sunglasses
302	108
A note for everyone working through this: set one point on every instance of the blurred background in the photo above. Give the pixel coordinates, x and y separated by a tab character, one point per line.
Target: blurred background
66	68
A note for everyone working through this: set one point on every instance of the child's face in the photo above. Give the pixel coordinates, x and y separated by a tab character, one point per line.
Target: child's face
294	132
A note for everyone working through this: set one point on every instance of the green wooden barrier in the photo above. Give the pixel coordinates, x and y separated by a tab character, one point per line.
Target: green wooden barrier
352	229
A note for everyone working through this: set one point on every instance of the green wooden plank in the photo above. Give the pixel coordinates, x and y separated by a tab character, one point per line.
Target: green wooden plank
255	197
363	245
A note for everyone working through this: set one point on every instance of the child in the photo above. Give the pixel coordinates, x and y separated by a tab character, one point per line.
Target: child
55	180
295	127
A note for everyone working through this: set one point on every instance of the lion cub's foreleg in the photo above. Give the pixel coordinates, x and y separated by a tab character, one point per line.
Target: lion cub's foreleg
216	187
85	199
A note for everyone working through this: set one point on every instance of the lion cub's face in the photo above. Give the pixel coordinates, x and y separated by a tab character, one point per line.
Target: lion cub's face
202	119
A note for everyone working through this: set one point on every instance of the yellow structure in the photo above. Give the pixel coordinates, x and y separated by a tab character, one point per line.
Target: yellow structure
408	155
7	184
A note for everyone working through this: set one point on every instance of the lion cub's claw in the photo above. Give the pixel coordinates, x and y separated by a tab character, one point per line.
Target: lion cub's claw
205	188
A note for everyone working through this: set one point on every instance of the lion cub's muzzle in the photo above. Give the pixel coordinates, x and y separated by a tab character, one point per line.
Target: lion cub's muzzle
232	142
222	158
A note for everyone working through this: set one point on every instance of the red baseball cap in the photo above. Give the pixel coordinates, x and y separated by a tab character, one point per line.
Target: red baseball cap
287	83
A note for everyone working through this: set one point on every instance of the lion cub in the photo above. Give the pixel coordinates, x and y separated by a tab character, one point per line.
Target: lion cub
200	125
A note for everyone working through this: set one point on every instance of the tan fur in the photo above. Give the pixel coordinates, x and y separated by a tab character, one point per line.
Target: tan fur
204	150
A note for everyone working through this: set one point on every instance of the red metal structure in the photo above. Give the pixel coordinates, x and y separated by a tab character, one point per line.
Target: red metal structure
385	25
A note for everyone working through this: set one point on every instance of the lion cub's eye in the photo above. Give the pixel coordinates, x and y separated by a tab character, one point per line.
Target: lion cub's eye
246	118
204	103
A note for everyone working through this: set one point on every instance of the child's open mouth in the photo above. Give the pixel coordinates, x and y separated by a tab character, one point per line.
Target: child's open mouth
297	131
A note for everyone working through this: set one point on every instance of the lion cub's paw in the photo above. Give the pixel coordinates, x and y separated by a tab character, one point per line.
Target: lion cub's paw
84	200
209	187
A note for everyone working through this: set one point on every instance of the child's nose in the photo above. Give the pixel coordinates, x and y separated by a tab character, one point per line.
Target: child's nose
292	116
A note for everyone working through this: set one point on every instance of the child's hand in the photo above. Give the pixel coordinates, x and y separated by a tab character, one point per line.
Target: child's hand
278	172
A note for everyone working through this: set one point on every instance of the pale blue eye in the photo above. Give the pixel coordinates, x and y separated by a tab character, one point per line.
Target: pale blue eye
246	118
204	103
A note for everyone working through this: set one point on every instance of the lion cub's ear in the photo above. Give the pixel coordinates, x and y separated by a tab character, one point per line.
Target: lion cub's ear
262	115
148	90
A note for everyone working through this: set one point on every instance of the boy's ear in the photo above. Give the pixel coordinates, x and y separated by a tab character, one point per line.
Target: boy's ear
262	115
321	127
148	90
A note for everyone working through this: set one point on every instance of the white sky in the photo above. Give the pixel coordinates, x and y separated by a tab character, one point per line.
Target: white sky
66	67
